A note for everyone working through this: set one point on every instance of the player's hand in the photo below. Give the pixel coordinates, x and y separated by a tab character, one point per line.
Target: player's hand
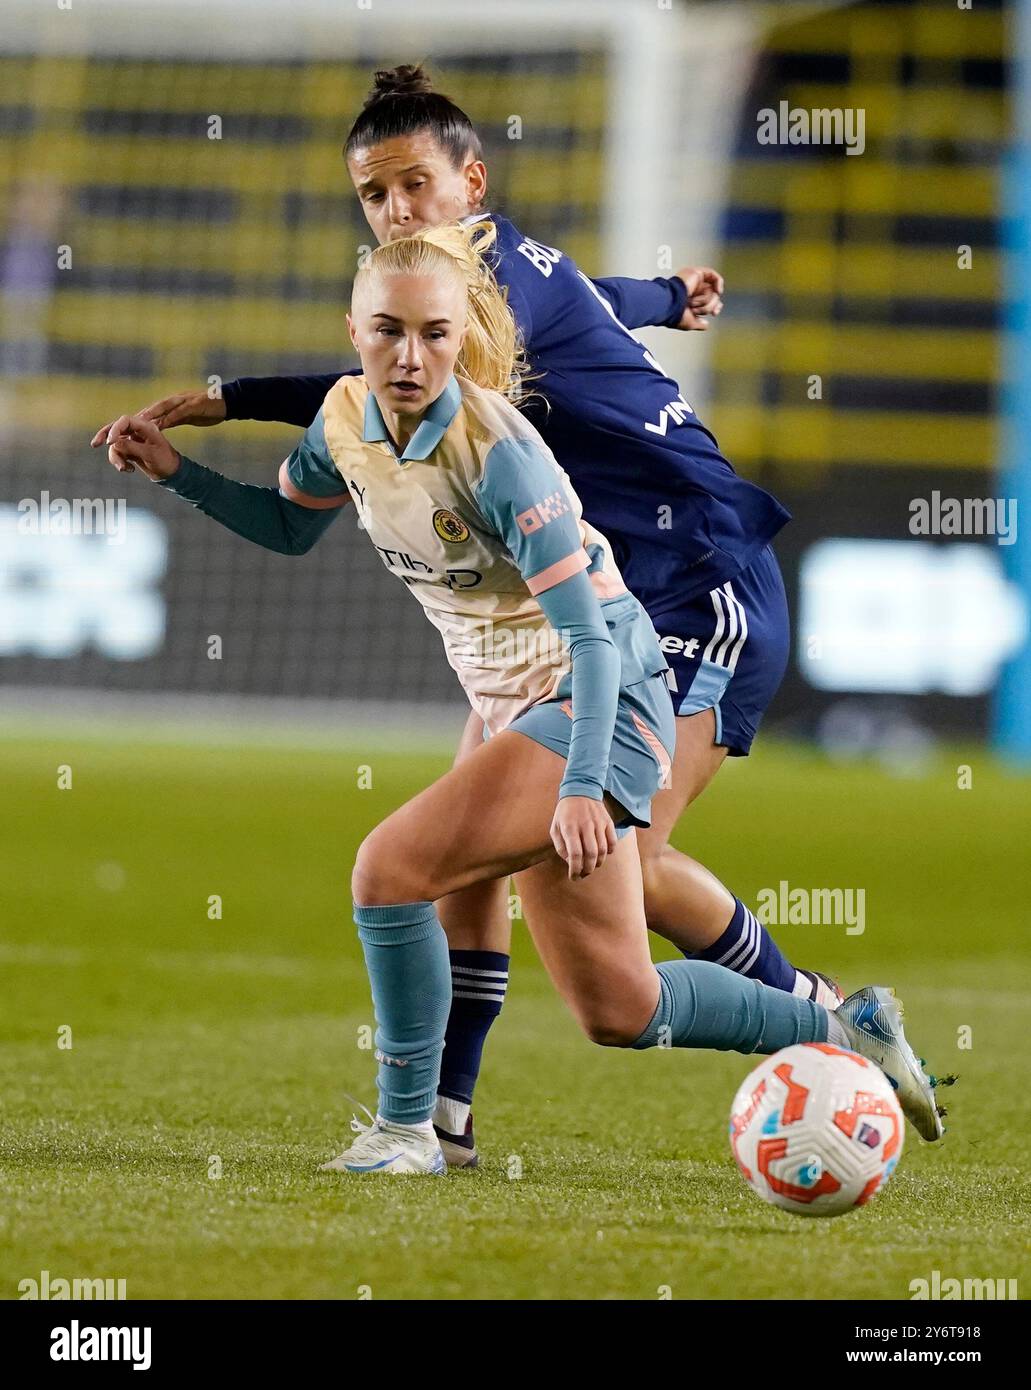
186	408
704	295
583	834
133	442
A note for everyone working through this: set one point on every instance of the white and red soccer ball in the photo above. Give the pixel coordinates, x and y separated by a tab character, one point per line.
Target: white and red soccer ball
816	1129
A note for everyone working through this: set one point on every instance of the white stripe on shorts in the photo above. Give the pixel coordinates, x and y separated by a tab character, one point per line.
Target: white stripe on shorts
736	652
717	636
731	628
721	654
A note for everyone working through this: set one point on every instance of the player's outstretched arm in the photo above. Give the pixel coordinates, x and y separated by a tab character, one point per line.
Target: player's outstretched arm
582	830
521	497
259	514
685	301
286	400
184	408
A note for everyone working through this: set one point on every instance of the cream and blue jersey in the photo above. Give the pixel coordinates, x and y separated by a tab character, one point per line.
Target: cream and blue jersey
478	520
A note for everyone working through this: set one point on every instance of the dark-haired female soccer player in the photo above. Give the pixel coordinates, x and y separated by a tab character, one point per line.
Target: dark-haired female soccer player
449	477
691	537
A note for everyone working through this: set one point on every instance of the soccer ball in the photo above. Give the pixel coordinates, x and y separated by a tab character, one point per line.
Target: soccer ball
816	1130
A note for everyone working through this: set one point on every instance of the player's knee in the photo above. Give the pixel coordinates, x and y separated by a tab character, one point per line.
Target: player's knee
380	878
609	1028
618	1010
655	861
612	1036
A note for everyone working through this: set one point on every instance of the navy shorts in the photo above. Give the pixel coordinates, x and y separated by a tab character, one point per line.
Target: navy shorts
727	650
641	753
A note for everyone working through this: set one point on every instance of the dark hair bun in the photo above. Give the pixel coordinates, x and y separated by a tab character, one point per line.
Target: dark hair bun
407	80
403	102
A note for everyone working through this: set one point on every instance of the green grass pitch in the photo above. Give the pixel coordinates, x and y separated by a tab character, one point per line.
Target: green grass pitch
202	1045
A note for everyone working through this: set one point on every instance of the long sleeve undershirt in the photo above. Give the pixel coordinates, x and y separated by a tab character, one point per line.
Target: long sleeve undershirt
259	514
572	608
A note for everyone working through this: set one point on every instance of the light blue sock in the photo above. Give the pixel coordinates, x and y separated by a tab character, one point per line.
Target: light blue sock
706	1005
410	972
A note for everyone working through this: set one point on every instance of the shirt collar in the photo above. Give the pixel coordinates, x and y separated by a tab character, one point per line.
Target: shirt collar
431	429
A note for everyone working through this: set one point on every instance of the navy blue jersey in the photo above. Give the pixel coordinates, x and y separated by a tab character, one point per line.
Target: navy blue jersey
649	474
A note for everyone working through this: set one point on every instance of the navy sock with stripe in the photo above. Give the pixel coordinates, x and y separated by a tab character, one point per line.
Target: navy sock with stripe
747	948
479	980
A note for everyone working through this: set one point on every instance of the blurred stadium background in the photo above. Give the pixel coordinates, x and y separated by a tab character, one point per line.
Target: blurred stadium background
140	255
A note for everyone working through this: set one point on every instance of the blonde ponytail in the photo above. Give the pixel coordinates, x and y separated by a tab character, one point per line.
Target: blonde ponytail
492	354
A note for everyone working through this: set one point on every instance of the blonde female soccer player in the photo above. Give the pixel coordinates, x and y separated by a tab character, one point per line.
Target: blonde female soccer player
692	539
467	506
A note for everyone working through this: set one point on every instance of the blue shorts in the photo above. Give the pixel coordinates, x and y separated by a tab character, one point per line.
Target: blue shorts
642	744
727	650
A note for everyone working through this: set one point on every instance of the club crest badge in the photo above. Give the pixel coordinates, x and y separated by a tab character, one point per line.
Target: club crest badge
449	526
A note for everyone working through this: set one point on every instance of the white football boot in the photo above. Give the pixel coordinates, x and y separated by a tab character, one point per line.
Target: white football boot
383	1147
871	1019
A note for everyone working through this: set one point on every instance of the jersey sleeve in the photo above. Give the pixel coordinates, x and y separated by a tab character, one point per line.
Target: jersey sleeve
572	608
524	500
309	476
259	514
290	400
530	270
657	303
